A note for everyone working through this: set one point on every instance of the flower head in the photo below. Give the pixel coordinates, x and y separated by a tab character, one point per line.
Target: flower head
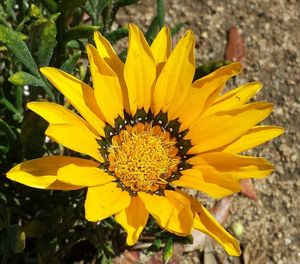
151	130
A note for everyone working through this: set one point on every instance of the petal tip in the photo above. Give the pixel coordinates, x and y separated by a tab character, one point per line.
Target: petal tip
44	70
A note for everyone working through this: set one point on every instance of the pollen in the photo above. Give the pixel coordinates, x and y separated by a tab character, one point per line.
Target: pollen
143	157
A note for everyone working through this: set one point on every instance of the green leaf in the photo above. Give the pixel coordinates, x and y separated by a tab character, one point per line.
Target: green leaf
14	42
116	35
81	31
23	78
3	16
168	251
152	30
19	99
4	149
10	8
109	13
70	64
155	246
9	133
47	43
94	8
33	135
67	7
51	5
160	12
176	28
43	39
17	115
16	238
208	68
34	11
121	3
123	55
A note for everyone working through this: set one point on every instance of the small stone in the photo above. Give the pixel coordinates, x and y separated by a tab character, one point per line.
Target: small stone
287	241
279	169
294	157
204	35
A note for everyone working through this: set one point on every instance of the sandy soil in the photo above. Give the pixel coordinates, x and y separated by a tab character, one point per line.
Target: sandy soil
270	29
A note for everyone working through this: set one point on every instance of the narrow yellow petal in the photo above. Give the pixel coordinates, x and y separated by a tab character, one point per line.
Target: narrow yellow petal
247	91
161	46
214	82
139	71
181	221
236	97
239	167
63	123
106	85
133	219
83	175
104	201
43	173
203	92
80	95
107	52
209	182
253	138
207	224
224	127
176	77
158	206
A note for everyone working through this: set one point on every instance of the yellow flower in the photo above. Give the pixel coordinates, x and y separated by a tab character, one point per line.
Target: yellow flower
150	131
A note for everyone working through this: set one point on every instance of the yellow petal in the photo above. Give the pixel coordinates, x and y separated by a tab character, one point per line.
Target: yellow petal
104	201
80	95
43	173
203	92
107	52
139	71
253	138
224	127
83	176
158	206
176	77
207	224
236	97
106	85
181	221
63	123
133	219
161	46
214	82
209	182
245	92
239	167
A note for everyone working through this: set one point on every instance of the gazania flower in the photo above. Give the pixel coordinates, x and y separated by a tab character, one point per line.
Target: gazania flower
149	130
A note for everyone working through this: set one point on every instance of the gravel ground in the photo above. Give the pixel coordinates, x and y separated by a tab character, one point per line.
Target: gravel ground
270	29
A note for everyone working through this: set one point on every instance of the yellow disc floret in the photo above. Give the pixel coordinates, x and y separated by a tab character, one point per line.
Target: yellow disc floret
143	157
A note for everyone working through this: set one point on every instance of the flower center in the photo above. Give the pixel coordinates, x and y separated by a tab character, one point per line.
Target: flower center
143	157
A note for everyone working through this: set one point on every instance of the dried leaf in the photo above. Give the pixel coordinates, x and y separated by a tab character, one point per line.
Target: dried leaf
248	189
221	209
235	50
